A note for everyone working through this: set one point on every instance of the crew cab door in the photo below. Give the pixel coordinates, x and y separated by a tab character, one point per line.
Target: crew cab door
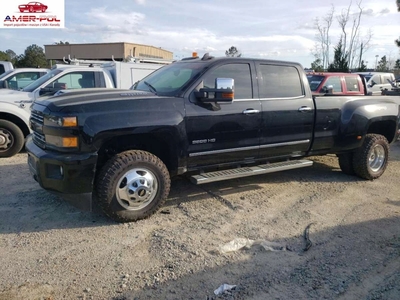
287	111
224	132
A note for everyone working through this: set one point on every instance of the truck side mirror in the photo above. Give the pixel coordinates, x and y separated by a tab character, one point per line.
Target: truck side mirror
4	84
223	91
49	91
372	83
330	89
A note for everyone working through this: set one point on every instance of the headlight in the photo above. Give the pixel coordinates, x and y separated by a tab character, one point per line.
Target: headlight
62	121
62	141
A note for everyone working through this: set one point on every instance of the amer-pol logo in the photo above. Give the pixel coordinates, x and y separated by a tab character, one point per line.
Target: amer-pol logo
49	14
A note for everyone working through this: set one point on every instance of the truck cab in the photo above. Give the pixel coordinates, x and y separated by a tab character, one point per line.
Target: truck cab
378	81
17	79
332	83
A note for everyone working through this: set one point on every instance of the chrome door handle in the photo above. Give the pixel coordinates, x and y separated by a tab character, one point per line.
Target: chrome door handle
250	111
305	109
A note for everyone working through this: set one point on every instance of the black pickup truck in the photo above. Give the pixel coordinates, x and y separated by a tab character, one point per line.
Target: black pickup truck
209	118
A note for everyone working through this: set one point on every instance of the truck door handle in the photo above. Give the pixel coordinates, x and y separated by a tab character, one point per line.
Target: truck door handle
305	109
250	111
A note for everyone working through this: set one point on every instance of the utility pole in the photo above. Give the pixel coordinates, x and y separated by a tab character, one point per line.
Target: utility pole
376	61
361	52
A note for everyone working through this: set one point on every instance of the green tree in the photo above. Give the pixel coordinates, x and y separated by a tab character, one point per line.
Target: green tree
397	64
316	65
362	67
340	62
382	65
61	43
33	57
4	56
233	52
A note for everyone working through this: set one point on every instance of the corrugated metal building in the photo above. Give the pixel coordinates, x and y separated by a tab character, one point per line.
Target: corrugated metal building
105	51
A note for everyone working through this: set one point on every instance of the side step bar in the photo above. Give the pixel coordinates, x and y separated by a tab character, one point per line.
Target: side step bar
249	171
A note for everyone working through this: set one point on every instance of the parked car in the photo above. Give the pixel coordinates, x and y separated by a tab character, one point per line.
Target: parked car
331	83
377	81
17	79
33	7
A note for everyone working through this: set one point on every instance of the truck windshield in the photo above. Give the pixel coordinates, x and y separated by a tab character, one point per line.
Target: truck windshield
171	79
37	83
315	81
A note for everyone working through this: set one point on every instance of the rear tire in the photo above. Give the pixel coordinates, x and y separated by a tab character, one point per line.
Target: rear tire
11	139
132	185
346	163
371	159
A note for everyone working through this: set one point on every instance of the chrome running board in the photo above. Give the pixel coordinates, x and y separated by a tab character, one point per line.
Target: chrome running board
249	171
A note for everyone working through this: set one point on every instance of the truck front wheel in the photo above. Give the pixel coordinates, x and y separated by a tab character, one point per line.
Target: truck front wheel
132	186
371	159
11	139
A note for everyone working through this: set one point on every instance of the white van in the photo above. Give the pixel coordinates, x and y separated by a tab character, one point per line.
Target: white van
377	81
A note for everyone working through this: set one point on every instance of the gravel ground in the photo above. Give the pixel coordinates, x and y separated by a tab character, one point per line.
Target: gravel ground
52	250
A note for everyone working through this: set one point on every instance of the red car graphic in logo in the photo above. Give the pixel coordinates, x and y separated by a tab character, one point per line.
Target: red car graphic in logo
32	7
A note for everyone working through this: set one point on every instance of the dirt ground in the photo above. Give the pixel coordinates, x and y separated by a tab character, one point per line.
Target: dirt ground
51	250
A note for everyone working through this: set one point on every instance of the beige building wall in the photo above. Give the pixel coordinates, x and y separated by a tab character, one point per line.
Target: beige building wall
105	51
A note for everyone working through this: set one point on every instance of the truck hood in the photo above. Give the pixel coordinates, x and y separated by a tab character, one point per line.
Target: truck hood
12	96
88	97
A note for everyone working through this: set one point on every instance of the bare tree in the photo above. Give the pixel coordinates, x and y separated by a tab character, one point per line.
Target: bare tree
322	36
352	43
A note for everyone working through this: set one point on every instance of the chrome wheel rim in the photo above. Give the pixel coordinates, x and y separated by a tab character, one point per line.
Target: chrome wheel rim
6	140
377	158
136	189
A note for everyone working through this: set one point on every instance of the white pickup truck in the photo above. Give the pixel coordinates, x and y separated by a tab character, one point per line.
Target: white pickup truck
5	66
15	105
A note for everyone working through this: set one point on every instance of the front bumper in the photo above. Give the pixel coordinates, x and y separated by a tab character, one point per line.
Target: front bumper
65	173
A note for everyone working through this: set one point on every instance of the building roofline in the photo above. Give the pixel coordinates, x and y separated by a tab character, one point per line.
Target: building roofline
112	43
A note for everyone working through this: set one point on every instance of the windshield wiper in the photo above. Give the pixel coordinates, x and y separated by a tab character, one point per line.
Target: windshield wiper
152	88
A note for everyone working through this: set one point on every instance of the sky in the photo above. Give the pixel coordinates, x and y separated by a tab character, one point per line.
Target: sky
282	30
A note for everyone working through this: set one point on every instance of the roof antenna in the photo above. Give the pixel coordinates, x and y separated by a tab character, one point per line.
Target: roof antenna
207	56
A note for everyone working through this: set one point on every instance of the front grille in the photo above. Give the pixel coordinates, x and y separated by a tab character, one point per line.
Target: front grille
37	117
37	125
39	139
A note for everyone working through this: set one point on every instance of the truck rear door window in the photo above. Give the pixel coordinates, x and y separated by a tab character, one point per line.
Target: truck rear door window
352	84
280	82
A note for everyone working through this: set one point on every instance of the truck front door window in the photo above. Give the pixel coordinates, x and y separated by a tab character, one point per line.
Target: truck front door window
335	82
21	80
76	80
239	72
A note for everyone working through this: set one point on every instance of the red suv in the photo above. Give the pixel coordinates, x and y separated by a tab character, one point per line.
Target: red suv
336	83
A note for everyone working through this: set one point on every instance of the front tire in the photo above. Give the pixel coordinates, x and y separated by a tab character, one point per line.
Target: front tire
11	139
132	185
371	159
